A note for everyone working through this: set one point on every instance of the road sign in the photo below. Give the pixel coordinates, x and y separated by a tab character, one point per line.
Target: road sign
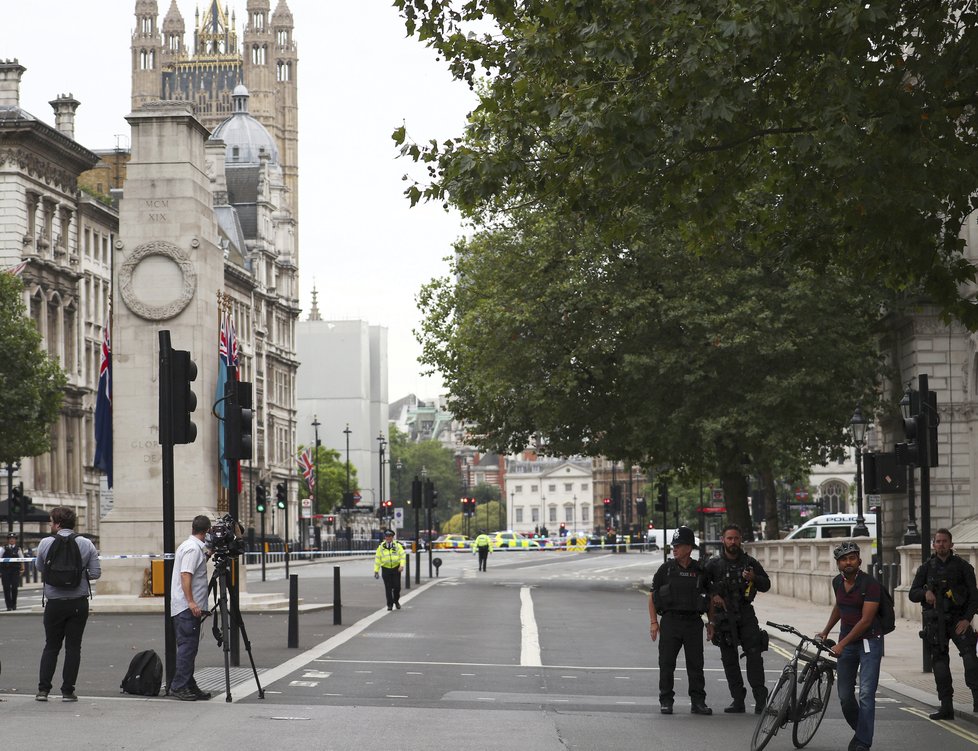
399	518
356	497
307	503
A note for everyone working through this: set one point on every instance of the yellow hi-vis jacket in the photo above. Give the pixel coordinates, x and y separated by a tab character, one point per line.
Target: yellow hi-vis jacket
392	557
482	541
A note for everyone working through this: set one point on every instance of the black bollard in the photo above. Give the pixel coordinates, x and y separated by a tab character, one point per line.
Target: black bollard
337	600
294	611
407	572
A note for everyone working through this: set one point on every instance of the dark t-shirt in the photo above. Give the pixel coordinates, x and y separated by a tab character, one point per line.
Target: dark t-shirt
851	604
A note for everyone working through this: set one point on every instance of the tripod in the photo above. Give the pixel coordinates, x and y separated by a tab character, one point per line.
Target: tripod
219	587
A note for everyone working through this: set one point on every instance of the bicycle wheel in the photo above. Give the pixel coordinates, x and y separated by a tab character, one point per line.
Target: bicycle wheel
775	711
812	703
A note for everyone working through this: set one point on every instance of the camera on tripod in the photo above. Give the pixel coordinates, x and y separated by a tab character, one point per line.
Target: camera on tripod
223	539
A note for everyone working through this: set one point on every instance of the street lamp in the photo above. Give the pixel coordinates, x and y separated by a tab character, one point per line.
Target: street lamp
347	497
911	536
858	424
315	460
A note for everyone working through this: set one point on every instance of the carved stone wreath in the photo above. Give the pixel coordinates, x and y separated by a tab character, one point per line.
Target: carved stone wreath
170	309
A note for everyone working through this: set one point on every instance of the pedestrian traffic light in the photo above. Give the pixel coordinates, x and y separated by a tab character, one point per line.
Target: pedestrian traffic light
280	495
238	420
261	496
330	520
177	400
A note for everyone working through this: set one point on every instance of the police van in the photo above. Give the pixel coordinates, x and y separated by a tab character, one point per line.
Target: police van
829	526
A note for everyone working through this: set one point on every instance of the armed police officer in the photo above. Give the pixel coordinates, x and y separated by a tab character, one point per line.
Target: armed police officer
734	579
679	598
945	585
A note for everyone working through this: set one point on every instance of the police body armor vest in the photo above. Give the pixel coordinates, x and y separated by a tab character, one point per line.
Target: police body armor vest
731	580
683	590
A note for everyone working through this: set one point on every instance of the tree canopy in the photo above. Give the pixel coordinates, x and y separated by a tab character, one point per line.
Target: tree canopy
723	364
437	462
330	472
851	125
31	381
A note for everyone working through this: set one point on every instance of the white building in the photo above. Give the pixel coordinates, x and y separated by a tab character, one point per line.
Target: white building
548	493
342	383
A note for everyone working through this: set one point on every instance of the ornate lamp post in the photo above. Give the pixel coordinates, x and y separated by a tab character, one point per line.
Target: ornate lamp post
315	470
382	442
858	424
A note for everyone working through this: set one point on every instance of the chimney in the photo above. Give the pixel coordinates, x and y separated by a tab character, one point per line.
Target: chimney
64	114
10	73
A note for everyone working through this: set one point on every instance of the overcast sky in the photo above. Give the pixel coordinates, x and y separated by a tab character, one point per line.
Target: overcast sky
359	78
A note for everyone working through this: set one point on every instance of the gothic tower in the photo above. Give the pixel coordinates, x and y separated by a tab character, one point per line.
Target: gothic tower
163	68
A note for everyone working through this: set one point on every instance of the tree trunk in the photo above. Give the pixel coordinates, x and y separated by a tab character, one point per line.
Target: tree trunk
772	529
735	489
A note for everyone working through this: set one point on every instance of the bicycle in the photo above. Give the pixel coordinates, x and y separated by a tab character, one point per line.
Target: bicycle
785	704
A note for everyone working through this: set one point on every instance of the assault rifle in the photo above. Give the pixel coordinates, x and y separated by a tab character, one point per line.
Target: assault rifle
728	620
935	620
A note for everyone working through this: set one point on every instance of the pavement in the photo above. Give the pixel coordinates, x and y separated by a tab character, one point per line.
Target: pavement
902	670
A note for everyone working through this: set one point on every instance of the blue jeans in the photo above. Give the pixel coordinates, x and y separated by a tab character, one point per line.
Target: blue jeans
186	630
861	714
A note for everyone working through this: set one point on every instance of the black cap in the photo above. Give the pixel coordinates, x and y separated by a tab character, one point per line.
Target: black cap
684	536
388	532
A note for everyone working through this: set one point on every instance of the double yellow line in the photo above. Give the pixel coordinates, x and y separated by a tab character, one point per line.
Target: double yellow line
946	724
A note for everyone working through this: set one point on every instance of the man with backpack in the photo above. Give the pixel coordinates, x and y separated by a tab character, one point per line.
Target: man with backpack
860	645
69	563
945	585
11	571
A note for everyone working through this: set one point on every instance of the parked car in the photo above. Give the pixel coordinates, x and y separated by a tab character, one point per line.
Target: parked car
509	540
830	526
459	543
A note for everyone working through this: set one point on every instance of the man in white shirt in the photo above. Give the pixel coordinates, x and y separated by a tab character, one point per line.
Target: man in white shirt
188	600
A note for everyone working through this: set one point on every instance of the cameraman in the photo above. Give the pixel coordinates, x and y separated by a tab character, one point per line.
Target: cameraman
734	579
945	585
188	593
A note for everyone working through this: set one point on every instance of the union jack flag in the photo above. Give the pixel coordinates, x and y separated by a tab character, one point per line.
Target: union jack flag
18	269
308	469
228	344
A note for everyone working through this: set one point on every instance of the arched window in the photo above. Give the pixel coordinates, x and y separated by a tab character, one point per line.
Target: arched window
834	497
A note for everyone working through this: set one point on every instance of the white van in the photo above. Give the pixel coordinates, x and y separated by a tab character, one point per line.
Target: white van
830	526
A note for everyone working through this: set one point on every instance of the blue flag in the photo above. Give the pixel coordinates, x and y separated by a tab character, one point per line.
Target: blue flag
227	365
103	411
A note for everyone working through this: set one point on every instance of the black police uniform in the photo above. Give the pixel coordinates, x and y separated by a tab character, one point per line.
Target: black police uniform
679	596
953	583
736	628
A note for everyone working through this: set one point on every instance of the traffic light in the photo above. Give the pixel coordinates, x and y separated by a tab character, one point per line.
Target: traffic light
616	498
17	500
607	508
920	428
280	495
641	507
238	420
261	496
563	529
177	400
430	494
330	520
662	500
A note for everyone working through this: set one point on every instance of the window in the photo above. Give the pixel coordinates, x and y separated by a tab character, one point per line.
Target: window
833	498
552	488
553	513
534	488
282	38
517	488
805	534
568	487
584	486
519	515
584	513
568	513
535	515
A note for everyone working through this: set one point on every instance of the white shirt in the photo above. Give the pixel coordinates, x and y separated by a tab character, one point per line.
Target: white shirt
189	559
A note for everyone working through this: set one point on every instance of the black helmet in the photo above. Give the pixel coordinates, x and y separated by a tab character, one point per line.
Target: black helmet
684	536
845	548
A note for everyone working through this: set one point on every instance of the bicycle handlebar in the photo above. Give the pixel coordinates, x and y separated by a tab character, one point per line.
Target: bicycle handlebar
823	645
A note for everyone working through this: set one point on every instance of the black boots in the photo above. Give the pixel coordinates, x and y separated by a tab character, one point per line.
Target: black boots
700	708
736	707
946	712
760	700
665	708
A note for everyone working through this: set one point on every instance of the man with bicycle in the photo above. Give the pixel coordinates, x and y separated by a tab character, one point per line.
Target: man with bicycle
860	645
679	597
945	584
734	579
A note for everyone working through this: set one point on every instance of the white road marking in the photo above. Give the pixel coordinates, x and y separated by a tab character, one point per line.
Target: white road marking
530	644
304	684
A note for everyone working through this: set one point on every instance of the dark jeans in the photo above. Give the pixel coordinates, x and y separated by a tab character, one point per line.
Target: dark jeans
392	585
483	557
750	642
64	621
681	632
11	583
186	631
942	662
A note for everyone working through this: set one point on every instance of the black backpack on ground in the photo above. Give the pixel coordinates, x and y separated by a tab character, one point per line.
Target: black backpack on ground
63	566
144	676
886	612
